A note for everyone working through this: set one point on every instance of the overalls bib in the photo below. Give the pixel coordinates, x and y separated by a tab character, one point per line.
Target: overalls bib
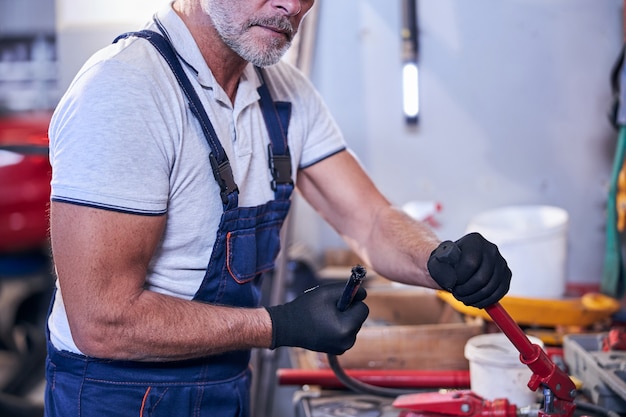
246	245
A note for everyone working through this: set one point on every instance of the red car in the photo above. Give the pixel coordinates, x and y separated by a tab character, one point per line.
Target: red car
24	182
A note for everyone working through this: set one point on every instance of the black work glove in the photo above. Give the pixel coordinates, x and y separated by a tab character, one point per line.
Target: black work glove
313	321
472	269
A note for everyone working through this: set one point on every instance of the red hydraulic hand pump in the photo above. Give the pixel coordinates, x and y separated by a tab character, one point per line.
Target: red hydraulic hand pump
558	389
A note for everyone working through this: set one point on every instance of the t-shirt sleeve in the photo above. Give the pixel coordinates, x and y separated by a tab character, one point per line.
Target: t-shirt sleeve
314	124
324	137
107	148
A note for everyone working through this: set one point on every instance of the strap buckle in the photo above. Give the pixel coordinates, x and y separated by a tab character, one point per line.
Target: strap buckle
280	167
223	174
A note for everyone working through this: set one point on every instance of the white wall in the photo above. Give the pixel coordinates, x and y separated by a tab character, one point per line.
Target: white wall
87	13
27	62
86	26
17	17
514	97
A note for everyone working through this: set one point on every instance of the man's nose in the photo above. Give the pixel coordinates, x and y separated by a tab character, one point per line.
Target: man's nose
289	7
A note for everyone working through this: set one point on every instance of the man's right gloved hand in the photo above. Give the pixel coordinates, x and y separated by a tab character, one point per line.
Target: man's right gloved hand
313	321
472	269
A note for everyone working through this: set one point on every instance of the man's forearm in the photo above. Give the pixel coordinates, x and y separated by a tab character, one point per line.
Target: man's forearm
157	327
398	248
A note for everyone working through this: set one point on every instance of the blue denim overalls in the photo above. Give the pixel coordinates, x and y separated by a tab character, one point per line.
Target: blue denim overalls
246	246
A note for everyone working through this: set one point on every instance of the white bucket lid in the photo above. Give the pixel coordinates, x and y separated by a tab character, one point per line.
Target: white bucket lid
495	349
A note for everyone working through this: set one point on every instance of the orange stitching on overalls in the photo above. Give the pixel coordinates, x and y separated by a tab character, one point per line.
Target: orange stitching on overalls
232	274
143	402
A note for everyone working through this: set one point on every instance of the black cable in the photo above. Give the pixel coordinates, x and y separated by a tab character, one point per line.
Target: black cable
352	286
359	386
616	89
595	409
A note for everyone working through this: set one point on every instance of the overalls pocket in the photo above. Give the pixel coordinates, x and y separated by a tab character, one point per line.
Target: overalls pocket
251	252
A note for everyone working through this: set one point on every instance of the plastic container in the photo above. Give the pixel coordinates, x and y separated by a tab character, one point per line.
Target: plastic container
496	371
533	240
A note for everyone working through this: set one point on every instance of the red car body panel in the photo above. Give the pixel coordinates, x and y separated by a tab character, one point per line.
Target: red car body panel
25	175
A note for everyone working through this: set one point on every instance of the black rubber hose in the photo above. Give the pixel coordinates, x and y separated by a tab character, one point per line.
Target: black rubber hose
595	409
353	284
359	386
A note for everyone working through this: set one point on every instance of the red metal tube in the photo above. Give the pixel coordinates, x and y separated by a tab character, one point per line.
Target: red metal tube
382	378
510	328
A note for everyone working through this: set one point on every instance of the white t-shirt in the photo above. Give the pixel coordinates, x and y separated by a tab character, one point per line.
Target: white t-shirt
123	138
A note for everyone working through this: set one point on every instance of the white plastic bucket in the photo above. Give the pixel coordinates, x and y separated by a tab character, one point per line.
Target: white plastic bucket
496	370
533	240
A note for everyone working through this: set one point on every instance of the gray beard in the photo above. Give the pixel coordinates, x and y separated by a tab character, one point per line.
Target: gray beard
243	44
259	57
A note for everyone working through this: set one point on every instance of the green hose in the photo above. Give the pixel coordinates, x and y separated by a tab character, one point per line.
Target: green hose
613	273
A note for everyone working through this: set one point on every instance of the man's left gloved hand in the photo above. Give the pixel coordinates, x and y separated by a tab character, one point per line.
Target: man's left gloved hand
472	269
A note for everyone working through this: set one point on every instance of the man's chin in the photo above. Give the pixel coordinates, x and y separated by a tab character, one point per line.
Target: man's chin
265	60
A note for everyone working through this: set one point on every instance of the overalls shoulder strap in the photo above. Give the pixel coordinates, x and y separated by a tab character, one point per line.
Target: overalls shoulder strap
222	170
276	117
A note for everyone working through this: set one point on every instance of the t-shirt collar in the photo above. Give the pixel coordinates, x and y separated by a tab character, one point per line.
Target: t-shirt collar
177	32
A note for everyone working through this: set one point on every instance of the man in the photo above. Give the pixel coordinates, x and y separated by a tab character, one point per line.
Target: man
164	215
